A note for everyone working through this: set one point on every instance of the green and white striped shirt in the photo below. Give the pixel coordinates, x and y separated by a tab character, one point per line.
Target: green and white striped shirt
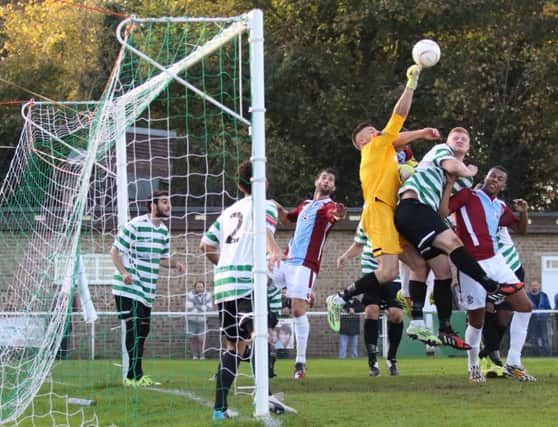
232	234
368	263
429	178
141	246
507	248
274	299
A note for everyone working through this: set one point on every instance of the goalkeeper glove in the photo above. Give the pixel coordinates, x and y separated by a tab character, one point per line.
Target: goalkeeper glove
413	73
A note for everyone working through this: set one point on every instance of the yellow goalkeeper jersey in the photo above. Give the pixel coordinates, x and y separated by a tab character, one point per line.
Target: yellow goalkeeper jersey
379	173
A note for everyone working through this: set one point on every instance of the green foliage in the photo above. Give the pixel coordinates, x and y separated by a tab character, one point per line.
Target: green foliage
331	64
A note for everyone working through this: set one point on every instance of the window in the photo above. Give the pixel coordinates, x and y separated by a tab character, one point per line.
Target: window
99	268
549	277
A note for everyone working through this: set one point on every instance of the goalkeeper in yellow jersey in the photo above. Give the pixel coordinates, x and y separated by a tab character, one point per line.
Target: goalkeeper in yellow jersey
380	181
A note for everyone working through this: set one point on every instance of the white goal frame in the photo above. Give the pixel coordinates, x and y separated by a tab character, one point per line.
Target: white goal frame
252	23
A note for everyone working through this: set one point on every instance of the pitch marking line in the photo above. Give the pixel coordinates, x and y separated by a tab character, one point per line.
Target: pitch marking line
267	421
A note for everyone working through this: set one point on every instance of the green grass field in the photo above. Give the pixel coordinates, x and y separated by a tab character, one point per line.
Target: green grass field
428	392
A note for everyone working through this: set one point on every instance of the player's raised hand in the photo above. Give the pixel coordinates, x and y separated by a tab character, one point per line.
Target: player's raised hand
340	211
431	134
520	205
413	73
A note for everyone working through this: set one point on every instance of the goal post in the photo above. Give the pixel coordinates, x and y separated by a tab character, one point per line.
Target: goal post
259	196
184	106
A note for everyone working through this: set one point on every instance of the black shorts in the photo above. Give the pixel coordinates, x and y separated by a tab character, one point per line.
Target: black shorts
130	308
384	297
236	319
419	224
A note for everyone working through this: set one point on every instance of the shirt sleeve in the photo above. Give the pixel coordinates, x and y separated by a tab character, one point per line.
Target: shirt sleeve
390	132
441	154
125	238
292	215
214	235
459	199
271	216
507	218
394	125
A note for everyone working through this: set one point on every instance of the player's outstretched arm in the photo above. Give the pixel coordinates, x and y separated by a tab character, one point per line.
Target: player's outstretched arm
282	213
211	252
354	250
522	207
340	211
274	252
403	105
444	209
458	168
117	261
406	137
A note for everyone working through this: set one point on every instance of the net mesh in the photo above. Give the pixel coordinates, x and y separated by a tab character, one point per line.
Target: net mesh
176	101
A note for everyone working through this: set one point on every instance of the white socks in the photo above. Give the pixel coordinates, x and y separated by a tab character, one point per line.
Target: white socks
302	330
518	333
473	338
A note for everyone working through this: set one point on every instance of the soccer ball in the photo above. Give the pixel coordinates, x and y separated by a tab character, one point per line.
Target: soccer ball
426	53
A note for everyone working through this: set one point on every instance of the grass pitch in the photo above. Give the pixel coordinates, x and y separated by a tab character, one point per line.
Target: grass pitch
428	392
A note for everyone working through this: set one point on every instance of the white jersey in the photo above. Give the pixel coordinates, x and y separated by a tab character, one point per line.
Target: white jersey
231	233
507	248
141	245
429	178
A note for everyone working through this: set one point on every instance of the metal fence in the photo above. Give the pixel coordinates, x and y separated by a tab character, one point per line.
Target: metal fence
168	338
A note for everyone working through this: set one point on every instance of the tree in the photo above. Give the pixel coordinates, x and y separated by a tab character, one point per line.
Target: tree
331	64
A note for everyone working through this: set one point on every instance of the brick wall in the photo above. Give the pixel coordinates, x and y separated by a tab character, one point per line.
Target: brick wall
167	338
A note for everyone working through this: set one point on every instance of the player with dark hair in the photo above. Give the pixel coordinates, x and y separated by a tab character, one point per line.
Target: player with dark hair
314	220
137	252
478	215
228	244
418	220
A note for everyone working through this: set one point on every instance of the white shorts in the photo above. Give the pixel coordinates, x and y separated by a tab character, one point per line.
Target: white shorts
472	294
298	279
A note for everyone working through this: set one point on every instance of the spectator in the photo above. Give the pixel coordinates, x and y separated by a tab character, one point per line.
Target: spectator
284	341
284	336
556	301
538	298
350	328
538	328
198	302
